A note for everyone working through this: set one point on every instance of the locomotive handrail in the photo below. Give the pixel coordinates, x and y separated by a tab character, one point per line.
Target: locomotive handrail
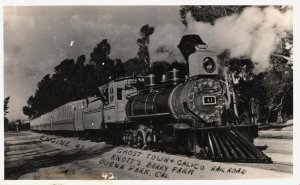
157	86
192	112
95	100
150	115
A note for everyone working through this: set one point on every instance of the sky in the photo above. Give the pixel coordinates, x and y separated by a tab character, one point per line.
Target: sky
37	38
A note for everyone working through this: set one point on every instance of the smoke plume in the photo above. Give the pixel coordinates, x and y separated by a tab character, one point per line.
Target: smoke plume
164	41
255	33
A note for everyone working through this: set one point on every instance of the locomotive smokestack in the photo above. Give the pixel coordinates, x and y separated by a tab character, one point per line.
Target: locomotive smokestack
188	45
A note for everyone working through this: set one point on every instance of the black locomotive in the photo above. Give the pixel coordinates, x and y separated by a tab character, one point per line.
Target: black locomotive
194	113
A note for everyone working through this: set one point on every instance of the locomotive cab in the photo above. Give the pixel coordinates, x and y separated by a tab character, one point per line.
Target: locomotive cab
115	97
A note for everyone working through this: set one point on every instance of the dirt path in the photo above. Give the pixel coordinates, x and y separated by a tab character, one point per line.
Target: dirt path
27	153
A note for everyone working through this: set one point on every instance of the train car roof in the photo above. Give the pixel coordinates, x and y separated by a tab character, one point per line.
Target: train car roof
68	103
126	78
120	80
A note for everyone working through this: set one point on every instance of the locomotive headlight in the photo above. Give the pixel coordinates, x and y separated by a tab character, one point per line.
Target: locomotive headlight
209	65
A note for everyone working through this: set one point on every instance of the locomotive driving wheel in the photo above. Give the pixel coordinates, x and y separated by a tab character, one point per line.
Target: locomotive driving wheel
149	139
140	140
130	138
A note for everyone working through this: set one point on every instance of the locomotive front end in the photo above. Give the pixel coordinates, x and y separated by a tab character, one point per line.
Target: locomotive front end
201	98
201	101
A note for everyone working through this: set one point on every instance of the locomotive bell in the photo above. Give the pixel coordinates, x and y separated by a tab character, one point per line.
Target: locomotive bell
174	75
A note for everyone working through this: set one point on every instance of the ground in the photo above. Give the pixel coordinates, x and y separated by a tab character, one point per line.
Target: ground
31	155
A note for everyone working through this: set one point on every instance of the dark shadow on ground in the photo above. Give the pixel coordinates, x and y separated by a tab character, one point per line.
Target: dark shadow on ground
16	168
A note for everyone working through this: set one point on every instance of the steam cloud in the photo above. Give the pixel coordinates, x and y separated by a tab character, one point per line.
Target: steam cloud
164	41
254	34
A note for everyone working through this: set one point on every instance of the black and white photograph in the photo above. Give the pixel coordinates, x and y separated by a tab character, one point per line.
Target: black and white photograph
148	92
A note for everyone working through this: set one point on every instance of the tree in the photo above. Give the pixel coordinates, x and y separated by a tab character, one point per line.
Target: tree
160	67
119	69
81	60
12	126
143	43
278	81
140	64
6	101
101	52
104	65
73	80
28	111
6	124
6	121
208	14
134	67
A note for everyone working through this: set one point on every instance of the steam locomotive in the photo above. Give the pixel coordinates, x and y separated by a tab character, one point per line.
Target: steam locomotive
184	114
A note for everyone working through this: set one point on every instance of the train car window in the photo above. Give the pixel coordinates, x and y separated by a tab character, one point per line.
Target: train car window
111	98
69	111
59	113
111	90
105	93
119	93
111	94
65	112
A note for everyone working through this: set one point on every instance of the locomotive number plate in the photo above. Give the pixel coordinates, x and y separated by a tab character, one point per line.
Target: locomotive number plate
209	100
